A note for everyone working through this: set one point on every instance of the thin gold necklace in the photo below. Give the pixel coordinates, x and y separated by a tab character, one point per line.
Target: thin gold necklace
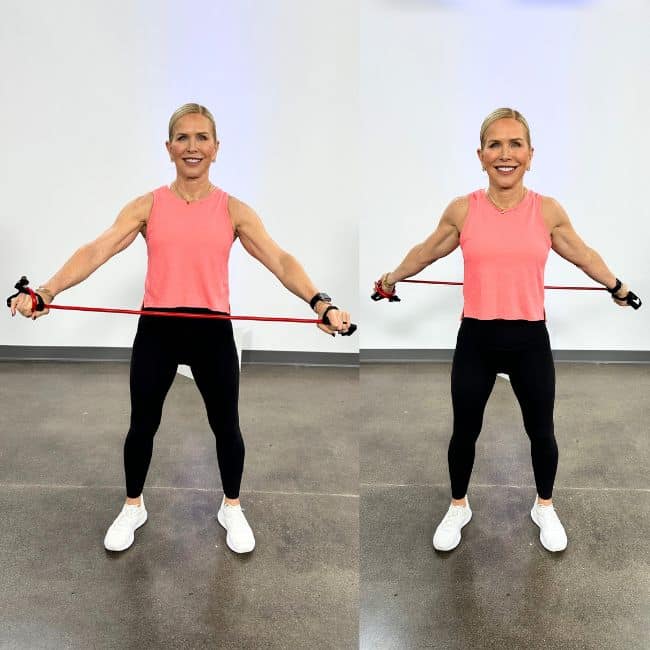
174	188
498	207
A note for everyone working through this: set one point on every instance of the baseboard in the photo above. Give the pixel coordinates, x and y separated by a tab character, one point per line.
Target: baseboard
76	354
431	355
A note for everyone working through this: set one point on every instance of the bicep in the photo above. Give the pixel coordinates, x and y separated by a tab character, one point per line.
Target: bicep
130	221
565	241
446	237
253	236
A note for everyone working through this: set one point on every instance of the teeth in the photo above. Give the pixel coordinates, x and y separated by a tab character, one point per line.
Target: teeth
505	169
192	159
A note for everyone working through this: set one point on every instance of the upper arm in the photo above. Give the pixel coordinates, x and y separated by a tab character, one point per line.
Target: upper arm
131	220
446	237
253	236
565	241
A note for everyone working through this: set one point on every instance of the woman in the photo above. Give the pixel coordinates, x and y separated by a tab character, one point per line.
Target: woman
189	228
505	233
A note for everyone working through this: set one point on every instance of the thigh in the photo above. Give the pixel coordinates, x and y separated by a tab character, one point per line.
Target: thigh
215	368
153	364
532	376
473	373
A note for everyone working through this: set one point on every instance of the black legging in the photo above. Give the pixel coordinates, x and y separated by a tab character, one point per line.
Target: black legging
522	350
208	348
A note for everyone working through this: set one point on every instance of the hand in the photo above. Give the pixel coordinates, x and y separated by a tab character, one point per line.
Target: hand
388	287
384	289
339	320
619	296
22	303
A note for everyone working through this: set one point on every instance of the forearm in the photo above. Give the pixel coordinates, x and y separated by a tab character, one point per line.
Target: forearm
412	264
594	266
82	263
294	278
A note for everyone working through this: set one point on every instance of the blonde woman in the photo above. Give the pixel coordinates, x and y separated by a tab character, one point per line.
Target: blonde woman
505	233
189	227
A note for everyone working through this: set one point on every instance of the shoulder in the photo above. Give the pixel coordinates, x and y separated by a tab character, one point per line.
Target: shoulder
552	211
458	207
139	208
241	214
456	211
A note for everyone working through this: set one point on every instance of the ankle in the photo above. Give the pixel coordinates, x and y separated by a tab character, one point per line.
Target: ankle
544	502
231	502
134	502
459	502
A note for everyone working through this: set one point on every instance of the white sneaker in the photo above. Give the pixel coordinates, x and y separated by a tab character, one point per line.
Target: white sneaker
239	536
447	535
551	531
120	534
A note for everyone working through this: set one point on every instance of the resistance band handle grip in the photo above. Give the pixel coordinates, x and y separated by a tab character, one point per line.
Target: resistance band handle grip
38	304
380	293
633	300
351	330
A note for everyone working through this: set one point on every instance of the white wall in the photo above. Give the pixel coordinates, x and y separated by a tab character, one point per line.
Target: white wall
430	72
87	90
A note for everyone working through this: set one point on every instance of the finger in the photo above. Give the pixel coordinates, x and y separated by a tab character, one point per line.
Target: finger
345	321
326	329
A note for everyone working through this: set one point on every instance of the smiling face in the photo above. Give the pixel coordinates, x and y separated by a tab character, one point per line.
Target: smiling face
506	154
192	147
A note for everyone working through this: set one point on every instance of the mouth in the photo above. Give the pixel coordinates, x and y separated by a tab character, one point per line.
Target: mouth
506	169
192	161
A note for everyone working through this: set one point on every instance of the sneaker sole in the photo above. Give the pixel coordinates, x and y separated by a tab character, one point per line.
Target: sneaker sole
228	540
457	542
118	550
541	539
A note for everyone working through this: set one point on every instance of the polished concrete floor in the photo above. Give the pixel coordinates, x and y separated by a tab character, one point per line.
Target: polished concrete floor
345	481
178	586
500	589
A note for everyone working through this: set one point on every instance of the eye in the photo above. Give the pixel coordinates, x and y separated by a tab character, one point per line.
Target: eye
493	144
516	143
180	137
203	137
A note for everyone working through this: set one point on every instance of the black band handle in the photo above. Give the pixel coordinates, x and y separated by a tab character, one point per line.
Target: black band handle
633	300
351	330
22	287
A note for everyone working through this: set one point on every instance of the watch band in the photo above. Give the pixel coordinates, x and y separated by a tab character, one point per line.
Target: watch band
320	296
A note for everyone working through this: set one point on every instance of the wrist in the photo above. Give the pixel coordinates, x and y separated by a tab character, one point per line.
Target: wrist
317	298
616	288
48	293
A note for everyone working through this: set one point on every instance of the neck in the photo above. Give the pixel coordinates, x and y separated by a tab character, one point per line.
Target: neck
508	197
192	189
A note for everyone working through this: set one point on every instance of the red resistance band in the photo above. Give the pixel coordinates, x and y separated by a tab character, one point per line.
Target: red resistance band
460	284
38	304
631	298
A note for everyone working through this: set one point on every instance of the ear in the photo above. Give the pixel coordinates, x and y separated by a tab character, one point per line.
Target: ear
216	150
169	149
479	153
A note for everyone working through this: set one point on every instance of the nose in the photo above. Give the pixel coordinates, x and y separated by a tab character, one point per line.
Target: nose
191	144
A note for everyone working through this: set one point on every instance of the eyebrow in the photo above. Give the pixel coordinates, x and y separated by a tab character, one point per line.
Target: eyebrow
183	133
491	140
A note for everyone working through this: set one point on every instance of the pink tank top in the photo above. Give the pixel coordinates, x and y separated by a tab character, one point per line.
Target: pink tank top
505	255
188	247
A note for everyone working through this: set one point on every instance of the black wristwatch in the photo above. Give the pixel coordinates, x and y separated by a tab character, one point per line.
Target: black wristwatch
318	298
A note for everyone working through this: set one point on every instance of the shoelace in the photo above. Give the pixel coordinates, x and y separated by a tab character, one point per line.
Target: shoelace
454	512
128	513
549	516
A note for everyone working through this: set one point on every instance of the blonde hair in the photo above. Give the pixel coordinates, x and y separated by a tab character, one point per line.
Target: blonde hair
187	109
500	114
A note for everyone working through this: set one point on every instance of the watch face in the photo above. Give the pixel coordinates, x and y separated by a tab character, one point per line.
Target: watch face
324	297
